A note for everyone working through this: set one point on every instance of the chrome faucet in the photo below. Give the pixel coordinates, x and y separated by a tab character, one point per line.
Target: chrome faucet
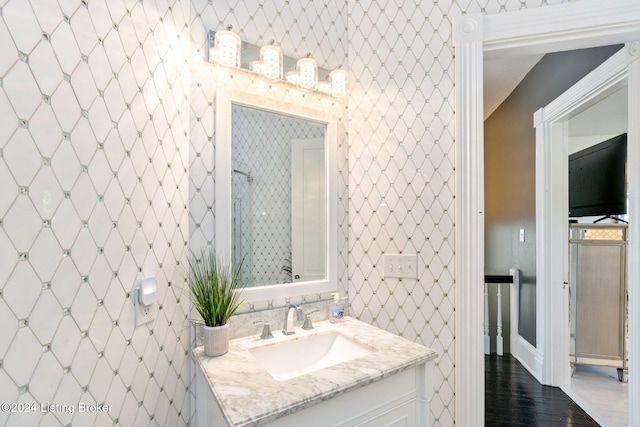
300	313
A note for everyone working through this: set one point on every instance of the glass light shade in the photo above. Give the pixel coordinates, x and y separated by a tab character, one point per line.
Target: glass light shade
271	56
293	77
308	69
338	83
213	54
256	66
324	86
227	48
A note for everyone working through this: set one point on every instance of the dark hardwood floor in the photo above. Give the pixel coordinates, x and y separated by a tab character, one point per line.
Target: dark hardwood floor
513	397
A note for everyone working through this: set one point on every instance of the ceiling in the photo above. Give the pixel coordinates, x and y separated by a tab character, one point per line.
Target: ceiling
501	76
607	117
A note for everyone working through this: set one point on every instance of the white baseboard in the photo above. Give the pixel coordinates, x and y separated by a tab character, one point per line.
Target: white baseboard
529	357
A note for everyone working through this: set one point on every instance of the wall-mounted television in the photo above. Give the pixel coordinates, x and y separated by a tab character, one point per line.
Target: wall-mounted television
597	179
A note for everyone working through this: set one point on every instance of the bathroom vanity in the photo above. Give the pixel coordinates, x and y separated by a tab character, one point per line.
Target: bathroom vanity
338	374
335	374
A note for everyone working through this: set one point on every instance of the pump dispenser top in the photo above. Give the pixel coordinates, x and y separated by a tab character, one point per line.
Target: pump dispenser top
336	308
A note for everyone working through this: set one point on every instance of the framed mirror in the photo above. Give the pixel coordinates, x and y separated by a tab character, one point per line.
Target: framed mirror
276	195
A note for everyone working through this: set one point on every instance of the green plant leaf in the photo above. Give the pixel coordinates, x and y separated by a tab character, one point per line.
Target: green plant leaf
215	287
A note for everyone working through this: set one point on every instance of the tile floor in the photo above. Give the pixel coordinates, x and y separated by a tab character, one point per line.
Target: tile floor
598	391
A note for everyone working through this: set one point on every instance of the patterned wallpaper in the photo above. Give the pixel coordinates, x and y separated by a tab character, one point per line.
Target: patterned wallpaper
401	170
93	197
95	142
401	180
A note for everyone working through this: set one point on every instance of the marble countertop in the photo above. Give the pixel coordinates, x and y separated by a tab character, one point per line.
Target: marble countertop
249	396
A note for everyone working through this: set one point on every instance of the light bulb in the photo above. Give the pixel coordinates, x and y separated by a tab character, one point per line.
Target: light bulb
227	48
256	66
271	56
338	82
293	77
308	69
324	86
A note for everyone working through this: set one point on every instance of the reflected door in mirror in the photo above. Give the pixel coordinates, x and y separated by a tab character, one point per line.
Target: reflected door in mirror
308	235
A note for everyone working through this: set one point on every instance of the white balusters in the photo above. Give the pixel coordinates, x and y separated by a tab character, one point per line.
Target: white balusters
513	280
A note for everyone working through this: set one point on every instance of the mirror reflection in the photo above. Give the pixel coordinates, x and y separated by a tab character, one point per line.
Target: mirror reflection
278	197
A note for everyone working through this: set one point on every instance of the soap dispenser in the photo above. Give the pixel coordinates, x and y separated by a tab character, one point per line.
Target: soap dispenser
336	309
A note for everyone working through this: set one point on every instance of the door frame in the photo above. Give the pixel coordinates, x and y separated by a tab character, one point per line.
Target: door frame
566	26
552	229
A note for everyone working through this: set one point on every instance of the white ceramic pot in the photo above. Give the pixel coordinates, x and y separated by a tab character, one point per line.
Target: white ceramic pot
216	340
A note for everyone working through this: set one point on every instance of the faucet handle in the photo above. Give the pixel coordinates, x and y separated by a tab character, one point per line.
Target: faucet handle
266	329
307	326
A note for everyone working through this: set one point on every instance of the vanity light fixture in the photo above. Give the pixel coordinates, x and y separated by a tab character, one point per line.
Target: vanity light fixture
271	57
308	69
227	48
338	82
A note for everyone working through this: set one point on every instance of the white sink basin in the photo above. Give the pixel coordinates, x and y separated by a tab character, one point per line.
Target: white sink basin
306	354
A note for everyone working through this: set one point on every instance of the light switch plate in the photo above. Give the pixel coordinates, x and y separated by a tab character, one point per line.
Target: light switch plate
403	266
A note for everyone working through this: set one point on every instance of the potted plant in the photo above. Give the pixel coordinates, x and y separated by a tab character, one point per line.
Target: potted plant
214	285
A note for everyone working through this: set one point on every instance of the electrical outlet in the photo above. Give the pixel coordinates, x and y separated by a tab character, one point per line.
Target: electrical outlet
143	313
401	266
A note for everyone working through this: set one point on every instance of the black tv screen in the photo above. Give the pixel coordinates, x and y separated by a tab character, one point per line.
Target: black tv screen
597	179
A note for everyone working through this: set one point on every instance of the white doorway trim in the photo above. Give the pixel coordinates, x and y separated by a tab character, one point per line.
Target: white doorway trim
567	26
552	201
552	231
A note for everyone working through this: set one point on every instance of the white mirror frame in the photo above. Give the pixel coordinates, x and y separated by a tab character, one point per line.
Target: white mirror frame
225	98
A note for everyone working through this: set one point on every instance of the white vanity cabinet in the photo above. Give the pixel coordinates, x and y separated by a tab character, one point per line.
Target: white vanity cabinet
390	387
400	400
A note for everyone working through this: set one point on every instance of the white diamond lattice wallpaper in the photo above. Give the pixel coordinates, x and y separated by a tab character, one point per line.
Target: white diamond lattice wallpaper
401	170
93	197
106	135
